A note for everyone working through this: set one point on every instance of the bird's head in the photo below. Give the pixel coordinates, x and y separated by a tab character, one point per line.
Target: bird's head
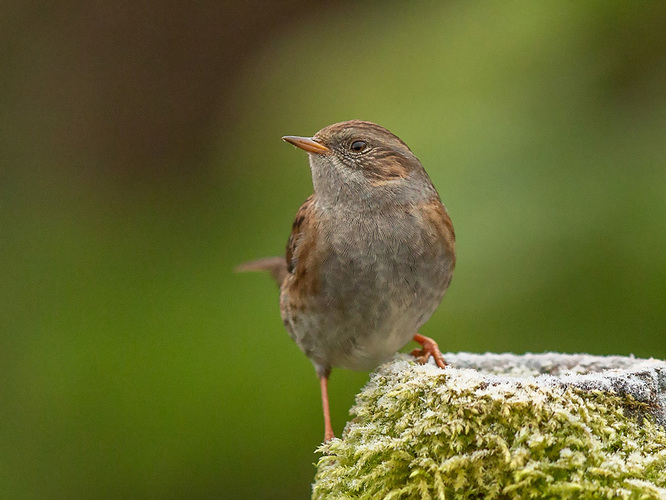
361	159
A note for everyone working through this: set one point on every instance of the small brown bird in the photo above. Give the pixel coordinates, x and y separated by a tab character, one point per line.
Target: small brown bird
370	256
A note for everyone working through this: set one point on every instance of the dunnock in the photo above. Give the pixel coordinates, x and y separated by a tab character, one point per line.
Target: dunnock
370	255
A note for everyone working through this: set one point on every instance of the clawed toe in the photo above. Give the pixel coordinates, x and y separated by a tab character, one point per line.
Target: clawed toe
420	356
430	348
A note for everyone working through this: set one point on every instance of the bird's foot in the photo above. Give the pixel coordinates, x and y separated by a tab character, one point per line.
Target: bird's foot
430	348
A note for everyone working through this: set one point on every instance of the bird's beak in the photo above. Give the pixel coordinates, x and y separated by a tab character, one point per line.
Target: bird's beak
309	144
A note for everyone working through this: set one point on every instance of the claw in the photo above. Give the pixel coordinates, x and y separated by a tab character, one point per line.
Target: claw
430	348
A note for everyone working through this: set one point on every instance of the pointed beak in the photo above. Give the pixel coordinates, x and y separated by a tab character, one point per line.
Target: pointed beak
309	144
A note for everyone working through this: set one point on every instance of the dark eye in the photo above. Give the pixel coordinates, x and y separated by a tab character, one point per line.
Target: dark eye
358	146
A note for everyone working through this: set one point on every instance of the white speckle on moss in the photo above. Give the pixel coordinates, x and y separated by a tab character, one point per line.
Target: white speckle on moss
504	425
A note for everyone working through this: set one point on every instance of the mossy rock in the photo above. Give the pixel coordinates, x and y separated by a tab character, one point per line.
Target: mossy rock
503	426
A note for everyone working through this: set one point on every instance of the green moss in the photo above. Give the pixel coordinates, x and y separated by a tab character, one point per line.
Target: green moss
421	432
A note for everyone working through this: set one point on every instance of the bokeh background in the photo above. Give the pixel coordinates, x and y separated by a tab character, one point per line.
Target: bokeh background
140	161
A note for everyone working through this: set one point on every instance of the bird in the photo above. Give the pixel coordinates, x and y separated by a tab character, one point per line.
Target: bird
370	255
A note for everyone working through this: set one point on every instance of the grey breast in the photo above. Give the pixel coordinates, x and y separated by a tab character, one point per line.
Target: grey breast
378	290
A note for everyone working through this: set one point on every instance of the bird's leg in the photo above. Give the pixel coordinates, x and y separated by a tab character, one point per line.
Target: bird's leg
328	428
430	348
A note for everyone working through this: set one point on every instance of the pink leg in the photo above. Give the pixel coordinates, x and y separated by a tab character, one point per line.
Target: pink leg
328	428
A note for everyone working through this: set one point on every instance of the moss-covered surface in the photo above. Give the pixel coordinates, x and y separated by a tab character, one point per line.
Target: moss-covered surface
421	432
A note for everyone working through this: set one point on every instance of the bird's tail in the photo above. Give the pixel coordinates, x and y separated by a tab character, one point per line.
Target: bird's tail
277	266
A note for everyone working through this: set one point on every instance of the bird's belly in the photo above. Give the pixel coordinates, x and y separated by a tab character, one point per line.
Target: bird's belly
388	308
369	306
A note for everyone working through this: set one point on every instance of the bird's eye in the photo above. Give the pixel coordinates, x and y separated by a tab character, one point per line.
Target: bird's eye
358	146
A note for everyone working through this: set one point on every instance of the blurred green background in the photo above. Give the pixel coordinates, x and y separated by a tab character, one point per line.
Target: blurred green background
140	161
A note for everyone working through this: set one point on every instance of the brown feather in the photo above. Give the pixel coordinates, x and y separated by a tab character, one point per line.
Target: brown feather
439	226
277	266
305	251
297	229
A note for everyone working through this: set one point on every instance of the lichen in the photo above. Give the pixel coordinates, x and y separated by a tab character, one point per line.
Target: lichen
424	433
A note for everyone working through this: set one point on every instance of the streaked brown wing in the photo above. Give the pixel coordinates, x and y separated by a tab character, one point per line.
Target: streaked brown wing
439	228
302	221
306	251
